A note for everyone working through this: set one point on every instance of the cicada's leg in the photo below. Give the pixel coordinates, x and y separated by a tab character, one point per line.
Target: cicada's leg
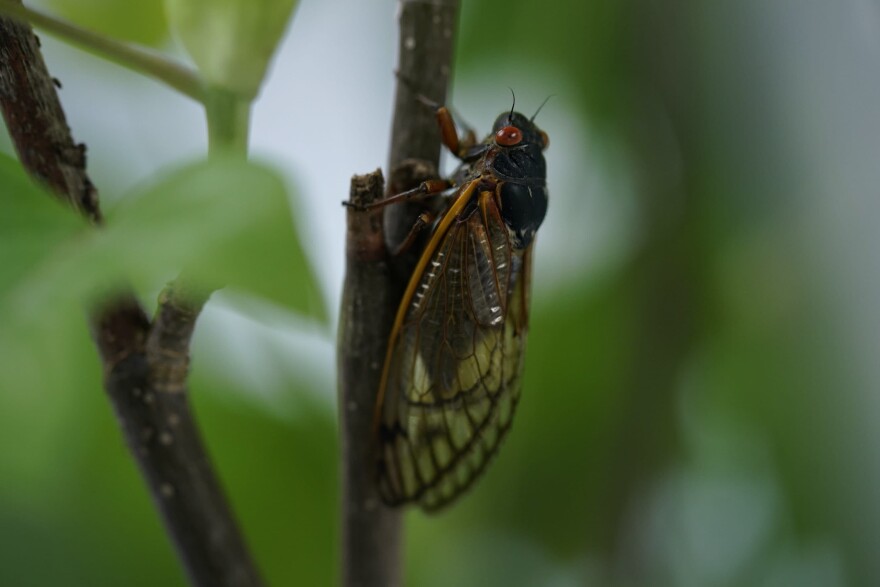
448	134
458	146
425	189
424	219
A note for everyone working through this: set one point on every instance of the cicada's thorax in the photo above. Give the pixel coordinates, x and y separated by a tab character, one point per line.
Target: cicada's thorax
517	175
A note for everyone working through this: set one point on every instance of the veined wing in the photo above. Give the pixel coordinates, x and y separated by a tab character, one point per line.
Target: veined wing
452	374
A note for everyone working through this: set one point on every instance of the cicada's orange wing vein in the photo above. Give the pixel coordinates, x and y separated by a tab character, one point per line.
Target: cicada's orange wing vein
454	364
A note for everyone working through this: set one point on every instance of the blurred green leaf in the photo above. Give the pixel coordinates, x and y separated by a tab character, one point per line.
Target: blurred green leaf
231	41
32	223
224	222
35	228
142	21
586	42
280	475
79	515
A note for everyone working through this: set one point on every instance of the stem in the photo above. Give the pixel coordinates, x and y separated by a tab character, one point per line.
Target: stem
228	122
132	56
374	283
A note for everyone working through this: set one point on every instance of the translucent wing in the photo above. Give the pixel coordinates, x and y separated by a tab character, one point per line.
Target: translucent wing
454	364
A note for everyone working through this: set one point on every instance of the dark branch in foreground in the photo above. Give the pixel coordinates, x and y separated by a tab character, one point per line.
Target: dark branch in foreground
374	283
36	122
145	364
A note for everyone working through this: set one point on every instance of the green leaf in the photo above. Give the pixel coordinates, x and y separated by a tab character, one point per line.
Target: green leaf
221	223
225	222
295	463
32	223
142	21
231	41
35	230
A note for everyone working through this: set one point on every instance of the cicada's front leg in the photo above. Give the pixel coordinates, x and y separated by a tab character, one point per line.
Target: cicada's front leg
458	146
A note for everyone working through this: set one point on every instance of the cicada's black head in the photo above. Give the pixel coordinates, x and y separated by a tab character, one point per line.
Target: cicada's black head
519	166
529	131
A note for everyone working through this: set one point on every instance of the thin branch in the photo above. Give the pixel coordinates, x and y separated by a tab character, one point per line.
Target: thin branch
135	57
371	531
147	388
374	282
425	49
37	124
144	364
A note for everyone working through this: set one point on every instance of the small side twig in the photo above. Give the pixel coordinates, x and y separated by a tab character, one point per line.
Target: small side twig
374	282
145	363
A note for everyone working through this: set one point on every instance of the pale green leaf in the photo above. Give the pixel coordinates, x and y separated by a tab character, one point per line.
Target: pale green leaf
32	223
35	229
222	223
231	41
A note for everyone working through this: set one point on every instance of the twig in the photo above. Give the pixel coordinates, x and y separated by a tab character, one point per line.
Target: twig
144	364
374	282
371	531
427	35
147	389
36	121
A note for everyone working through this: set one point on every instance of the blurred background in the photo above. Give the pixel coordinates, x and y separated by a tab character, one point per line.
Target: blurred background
702	380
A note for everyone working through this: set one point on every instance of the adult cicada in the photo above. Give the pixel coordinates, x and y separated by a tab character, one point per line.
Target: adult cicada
453	368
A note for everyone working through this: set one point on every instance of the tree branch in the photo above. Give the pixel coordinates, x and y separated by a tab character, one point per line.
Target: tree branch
374	283
37	124
371	531
425	49
144	364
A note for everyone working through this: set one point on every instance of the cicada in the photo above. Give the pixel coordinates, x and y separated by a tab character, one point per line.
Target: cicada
453	369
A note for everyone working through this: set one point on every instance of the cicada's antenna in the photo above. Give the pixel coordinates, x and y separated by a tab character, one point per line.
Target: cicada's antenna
512	106
547	99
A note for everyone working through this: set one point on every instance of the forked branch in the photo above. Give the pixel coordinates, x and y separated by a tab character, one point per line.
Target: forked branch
144	362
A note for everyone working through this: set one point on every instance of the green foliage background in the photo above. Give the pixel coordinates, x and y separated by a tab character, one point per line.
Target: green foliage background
695	412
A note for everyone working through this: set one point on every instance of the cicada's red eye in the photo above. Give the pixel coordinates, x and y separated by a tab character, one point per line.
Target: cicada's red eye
545	139
508	136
